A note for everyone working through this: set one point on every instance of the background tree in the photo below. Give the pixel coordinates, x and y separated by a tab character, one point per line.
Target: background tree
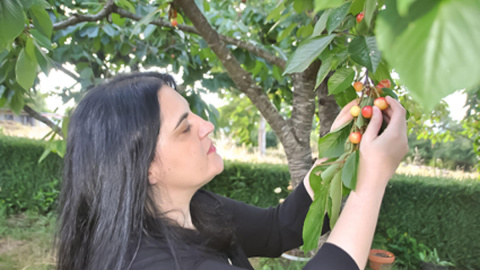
244	47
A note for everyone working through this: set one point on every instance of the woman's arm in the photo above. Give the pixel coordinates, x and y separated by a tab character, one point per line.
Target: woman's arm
380	155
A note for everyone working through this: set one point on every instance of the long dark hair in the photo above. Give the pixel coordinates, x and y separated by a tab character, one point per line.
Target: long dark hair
106	203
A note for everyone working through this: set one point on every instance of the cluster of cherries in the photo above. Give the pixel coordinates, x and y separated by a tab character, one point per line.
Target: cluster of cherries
367	111
172	14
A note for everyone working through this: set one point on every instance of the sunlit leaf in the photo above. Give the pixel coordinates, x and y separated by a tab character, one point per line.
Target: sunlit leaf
332	144
11	21
336	17
340	80
307	53
364	51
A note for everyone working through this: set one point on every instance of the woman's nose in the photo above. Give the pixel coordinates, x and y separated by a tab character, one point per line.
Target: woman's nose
206	128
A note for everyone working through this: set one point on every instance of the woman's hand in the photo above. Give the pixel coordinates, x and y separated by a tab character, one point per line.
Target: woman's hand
381	154
344	116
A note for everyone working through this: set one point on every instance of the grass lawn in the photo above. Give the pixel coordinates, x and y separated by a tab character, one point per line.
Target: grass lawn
26	242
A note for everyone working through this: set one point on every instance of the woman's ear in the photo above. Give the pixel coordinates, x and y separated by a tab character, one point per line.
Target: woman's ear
152	179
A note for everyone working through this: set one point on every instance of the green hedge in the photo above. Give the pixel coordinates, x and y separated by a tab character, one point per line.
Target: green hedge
252	183
25	184
440	213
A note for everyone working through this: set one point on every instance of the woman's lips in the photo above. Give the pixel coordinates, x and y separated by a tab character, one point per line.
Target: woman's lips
212	149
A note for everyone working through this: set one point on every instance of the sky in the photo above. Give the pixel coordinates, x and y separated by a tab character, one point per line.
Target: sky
56	80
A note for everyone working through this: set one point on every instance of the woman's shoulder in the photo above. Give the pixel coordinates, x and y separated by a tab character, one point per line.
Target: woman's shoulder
155	254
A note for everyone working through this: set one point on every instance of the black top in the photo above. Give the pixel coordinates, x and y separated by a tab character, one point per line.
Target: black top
259	232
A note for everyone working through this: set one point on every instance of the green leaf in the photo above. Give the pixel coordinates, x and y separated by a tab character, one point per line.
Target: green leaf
307	53
26	68
357	6
312	227
321	23
17	102
382	73
323	71
206	6
389	92
324	4
346	96
403	6
276	12
370	7
337	16
350	170
41	20
287	32
364	51
331	171
332	144
340	80
41	40
336	198
360	122
11	20
43	60
117	19
437	53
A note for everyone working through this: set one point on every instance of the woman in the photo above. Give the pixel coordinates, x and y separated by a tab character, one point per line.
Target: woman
131	199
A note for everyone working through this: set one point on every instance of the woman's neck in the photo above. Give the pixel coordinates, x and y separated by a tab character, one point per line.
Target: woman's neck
175	204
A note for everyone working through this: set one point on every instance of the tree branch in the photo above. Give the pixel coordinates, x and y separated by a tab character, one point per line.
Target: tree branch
78	18
242	79
43	119
66	71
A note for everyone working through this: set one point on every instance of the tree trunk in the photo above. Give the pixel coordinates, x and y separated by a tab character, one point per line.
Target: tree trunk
328	108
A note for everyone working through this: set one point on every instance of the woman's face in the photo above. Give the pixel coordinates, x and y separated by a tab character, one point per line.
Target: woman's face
185	157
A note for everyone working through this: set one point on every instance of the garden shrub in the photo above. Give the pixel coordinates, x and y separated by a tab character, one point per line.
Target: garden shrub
252	183
440	213
25	184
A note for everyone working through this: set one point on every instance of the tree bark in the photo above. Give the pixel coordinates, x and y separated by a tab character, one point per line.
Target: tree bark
262	137
328	108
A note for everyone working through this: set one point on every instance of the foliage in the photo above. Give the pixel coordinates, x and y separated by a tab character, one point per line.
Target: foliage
258	184
25	184
430	256
440	213
405	248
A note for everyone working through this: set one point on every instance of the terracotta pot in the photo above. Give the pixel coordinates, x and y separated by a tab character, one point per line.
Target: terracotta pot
380	259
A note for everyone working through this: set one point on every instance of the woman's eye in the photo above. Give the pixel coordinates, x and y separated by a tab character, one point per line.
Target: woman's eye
187	129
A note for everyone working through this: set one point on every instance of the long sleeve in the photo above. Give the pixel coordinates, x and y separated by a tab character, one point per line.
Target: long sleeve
270	232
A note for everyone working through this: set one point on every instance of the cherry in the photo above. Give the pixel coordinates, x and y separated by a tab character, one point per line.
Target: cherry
355	137
381	103
360	17
355	111
367	111
174	23
383	84
358	86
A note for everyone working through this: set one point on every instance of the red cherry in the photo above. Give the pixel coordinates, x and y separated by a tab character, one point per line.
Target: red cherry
360	17
355	137
381	103
386	83
358	86
367	112
174	23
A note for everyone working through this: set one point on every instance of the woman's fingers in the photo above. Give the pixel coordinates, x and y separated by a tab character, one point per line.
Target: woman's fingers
344	116
374	126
